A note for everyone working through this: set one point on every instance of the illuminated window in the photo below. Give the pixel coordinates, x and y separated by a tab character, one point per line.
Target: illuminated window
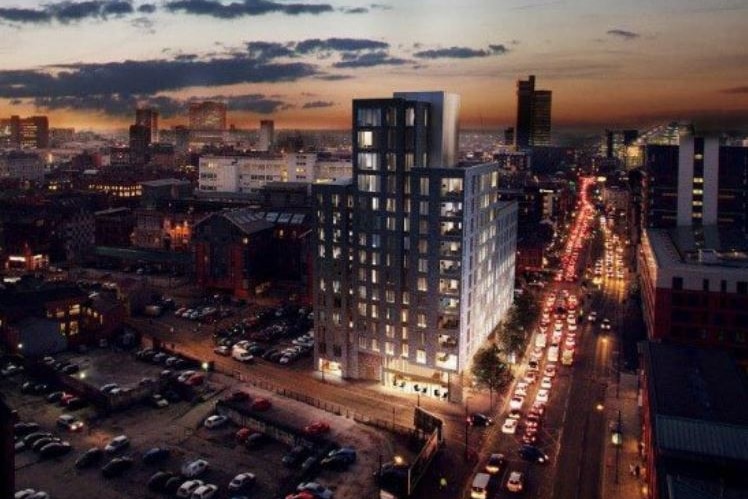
421	356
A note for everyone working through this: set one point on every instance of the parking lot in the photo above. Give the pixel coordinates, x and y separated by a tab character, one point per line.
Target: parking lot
179	427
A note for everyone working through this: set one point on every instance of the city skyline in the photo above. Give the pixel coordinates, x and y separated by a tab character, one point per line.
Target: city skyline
302	63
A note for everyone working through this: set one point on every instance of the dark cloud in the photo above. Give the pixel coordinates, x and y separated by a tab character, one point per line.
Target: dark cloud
147	8
340	45
118	105
354	10
735	90
381	6
68	11
369	59
622	33
146	77
241	8
460	52
317	104
268	50
144	24
333	77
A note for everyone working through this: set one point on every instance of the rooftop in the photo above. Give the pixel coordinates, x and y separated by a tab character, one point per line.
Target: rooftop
707	245
164	181
692	383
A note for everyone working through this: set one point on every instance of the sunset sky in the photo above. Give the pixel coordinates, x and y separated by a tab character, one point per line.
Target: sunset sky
608	62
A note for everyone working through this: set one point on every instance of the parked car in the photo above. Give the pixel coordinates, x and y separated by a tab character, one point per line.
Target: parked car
242	481
206	491
117	444
158	480
319	491
261	404
316	428
339	458
196	379
256	440
295	456
116	467
75	404
195	468
188	487
215	421
237	396
158	401
55	449
155	455
88	458
222	350
24	428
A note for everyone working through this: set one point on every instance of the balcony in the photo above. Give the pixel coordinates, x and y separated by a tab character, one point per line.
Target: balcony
449	323
447	341
450	250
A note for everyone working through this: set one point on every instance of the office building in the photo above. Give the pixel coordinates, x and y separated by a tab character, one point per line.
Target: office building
148	117
694	285
245	173
697	182
267	135
414	264
25	133
695	423
140	139
207	115
21	165
533	126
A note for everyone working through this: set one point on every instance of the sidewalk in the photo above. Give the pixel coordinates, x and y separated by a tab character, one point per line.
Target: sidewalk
617	480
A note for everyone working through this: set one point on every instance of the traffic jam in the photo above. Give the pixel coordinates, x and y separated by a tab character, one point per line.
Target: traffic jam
553	344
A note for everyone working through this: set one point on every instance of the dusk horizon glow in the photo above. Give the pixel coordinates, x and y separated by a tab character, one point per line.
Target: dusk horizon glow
89	64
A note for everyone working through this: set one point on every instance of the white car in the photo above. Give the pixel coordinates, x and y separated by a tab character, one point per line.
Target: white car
188	487
205	491
546	382
605	324
521	389
195	468
510	426
215	421
550	370
570	342
117	444
241	481
316	489
572	327
516	402
542	396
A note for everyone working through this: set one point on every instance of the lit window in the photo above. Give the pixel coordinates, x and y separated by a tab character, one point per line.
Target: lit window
421	356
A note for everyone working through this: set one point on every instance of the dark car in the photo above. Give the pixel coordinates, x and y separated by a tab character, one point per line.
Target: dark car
116	467
158	480
29	439
70	369
54	397
479	419
155	455
270	353
238	396
533	454
88	458
295	456
55	449
76	403
37	446
22	429
256	440
172	485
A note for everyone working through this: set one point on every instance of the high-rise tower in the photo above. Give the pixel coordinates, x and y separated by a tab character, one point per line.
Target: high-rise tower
533	126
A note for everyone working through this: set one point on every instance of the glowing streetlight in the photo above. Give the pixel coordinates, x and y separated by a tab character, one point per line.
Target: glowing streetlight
599	406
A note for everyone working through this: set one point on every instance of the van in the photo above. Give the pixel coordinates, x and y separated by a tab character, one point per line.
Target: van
479	489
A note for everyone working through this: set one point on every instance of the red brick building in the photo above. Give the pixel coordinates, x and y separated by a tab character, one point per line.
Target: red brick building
233	252
694	284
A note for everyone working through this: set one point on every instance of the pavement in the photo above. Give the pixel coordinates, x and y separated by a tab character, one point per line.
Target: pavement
618	482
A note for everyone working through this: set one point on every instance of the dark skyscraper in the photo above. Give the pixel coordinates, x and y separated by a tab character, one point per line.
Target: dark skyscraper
148	117
533	115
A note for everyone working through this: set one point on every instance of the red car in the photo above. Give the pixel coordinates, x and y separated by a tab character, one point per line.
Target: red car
301	495
196	379
261	405
242	434
317	428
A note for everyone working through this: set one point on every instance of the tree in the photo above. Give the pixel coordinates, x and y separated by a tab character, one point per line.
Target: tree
490	371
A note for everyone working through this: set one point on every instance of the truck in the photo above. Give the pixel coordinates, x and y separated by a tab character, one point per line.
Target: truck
567	357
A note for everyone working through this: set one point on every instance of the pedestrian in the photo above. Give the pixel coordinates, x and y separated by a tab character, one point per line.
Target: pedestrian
632	469
637	471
